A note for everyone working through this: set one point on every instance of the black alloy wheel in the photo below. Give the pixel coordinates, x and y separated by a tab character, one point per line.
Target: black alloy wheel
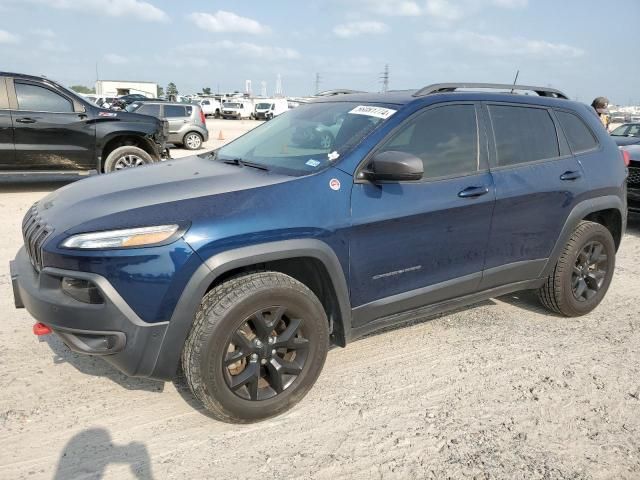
589	271
265	354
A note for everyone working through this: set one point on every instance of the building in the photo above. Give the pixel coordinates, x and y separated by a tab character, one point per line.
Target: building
115	88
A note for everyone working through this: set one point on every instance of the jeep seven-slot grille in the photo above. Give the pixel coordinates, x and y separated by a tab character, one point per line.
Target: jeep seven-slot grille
35	232
634	176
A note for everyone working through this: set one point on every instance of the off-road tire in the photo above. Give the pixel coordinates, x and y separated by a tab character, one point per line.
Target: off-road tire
222	310
110	164
556	294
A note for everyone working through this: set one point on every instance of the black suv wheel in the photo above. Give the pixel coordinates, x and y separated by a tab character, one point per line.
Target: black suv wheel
126	157
583	273
257	346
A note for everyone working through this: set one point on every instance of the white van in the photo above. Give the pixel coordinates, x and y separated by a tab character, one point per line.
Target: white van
210	106
237	109
269	108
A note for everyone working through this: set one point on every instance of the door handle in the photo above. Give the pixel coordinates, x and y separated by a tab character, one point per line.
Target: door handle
25	120
473	192
570	175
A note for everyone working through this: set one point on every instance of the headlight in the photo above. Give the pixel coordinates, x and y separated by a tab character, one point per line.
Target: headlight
126	238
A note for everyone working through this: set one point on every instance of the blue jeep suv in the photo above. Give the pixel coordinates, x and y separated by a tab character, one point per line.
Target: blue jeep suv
351	213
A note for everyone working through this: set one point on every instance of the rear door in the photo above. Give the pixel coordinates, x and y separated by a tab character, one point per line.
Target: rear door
537	183
48	133
178	117
7	149
417	243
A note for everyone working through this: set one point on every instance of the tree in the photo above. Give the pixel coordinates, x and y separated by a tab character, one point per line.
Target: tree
82	89
160	92
206	90
172	91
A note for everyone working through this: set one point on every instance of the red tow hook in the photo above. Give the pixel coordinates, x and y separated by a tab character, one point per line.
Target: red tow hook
41	329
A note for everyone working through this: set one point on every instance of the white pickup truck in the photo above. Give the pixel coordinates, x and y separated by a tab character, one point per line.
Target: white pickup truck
210	107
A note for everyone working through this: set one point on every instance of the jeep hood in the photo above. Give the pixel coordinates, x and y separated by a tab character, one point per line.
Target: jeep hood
145	195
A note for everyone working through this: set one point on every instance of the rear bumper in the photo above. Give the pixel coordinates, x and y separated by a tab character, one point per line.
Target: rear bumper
110	329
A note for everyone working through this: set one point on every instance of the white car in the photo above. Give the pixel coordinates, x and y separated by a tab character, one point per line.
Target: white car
237	109
269	108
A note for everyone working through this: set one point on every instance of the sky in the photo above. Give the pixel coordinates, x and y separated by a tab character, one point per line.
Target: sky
586	48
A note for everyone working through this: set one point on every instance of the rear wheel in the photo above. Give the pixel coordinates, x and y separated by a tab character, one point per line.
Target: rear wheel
126	157
192	141
583	272
257	346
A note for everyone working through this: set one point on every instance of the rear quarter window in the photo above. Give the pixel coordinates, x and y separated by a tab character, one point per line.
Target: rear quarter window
523	134
579	136
172	111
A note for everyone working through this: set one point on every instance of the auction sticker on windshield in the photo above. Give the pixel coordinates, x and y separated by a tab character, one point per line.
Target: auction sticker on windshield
378	112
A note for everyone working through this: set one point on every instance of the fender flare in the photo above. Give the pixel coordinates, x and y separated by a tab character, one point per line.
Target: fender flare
168	358
581	210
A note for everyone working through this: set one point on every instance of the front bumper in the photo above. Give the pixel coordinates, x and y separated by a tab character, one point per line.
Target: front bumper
111	329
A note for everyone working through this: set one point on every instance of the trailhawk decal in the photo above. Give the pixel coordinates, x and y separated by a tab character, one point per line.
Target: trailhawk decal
378	112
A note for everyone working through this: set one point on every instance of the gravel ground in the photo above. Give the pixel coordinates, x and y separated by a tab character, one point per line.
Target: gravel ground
498	390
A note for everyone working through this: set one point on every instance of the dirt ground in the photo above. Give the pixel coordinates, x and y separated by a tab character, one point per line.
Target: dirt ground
499	390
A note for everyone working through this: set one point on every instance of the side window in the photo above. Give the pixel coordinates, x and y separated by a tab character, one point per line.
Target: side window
153	110
578	134
523	134
173	111
445	138
39	99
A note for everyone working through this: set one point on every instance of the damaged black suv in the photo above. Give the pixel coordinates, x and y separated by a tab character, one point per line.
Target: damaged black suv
47	129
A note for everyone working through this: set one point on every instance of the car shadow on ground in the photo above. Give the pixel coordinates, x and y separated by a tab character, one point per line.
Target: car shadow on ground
96	366
21	186
88	453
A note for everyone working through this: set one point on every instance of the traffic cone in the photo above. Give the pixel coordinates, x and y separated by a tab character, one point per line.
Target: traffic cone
220	135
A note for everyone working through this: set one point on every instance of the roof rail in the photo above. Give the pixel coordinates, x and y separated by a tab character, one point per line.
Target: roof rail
452	87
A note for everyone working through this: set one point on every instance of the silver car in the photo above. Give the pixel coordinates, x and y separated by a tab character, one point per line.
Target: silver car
187	124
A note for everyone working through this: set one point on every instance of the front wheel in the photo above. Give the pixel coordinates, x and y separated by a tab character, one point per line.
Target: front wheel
257	346
583	272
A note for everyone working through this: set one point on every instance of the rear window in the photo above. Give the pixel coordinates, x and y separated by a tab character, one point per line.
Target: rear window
172	111
578	134
523	134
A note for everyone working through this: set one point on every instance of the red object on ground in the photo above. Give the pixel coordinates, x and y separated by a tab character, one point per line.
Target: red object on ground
41	329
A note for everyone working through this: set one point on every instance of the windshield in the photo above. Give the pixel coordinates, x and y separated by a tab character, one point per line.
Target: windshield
306	139
232	105
263	106
627	131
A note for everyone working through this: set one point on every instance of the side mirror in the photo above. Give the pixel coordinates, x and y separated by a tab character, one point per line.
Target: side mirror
394	166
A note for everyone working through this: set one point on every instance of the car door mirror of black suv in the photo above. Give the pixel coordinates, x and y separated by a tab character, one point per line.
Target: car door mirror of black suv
393	166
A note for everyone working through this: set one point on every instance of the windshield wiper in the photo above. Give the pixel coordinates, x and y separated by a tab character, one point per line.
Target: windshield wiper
244	163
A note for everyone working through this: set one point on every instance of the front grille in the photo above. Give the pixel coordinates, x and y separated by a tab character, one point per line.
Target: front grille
35	232
634	176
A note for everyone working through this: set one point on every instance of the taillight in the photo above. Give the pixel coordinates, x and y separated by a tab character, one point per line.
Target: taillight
626	157
203	119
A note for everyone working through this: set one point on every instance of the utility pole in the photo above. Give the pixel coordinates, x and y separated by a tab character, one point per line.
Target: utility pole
384	78
318	80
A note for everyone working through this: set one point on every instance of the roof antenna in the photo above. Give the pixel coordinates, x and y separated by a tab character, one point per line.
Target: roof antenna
515	80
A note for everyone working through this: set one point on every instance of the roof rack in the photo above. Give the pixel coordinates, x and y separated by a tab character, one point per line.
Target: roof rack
452	87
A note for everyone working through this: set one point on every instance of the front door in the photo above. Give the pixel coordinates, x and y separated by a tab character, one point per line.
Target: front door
417	243
48	133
